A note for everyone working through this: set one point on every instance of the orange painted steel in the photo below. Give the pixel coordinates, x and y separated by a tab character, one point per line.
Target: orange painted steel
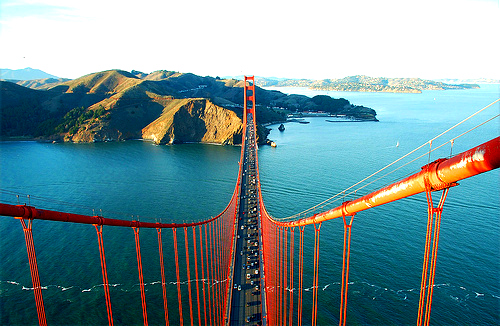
203	277
163	283
105	282
141	278
179	296
439	174
209	289
345	269
317	228
301	273
427	283
35	278
196	275
188	271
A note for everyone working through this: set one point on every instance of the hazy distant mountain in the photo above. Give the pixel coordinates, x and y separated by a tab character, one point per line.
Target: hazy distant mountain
24	74
475	81
363	83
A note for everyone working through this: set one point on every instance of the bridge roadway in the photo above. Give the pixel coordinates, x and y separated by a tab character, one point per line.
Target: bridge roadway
246	298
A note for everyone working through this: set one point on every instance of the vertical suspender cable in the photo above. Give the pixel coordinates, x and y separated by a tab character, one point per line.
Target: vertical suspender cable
218	270
179	296
208	276
438	211
285	273
427	282
280	275
345	268
141	278
35	278
425	266
214	304
196	274
104	273
221	273
203	277
301	274
186	246
317	228
292	244
162	268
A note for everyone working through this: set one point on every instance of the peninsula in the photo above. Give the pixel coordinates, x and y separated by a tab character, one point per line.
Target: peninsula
166	107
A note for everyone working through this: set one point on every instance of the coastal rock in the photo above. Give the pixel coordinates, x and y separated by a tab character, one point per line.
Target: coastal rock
194	120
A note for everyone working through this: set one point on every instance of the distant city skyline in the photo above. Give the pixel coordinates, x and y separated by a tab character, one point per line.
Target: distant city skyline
431	39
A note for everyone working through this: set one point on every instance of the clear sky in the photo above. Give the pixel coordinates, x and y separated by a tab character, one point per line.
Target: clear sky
295	39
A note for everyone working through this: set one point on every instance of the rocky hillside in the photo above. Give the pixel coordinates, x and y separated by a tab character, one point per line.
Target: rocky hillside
164	106
199	120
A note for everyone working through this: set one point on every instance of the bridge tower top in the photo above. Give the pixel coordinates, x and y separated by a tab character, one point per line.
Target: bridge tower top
249	97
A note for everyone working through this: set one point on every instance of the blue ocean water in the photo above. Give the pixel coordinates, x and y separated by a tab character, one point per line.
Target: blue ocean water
311	163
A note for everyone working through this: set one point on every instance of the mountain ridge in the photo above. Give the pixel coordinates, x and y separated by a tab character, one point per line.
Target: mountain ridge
120	105
24	74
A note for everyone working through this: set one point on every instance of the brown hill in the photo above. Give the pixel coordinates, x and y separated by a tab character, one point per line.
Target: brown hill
199	120
164	106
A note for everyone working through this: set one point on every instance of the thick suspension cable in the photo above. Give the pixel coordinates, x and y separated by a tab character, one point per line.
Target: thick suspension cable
430	141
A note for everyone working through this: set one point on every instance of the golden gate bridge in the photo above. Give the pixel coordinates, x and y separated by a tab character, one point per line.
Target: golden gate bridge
252	264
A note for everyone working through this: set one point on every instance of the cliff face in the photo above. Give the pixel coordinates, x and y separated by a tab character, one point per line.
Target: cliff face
194	120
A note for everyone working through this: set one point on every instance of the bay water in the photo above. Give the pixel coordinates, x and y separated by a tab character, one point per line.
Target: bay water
312	162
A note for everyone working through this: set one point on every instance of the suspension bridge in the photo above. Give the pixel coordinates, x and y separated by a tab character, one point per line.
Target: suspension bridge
250	264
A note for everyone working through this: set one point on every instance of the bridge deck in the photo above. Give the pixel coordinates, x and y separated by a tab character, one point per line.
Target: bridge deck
246	302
